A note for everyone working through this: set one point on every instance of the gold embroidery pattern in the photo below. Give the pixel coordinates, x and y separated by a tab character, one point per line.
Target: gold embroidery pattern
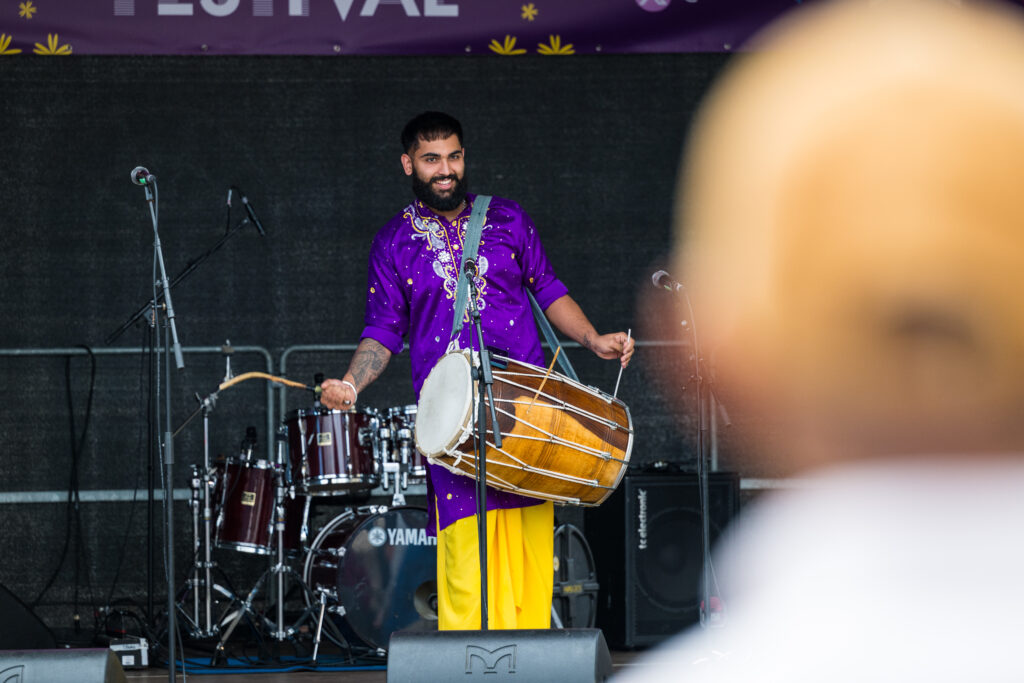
448	257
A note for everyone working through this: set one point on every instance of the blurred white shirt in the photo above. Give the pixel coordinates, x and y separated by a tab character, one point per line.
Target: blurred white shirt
906	572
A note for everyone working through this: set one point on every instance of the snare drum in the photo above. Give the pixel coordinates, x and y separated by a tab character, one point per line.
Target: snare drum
333	451
561	440
246	518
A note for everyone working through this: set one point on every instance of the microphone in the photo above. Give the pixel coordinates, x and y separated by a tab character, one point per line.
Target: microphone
248	446
662	280
140	176
252	214
470	268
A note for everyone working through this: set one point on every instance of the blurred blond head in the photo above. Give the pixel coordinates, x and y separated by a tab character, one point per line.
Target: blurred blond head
851	226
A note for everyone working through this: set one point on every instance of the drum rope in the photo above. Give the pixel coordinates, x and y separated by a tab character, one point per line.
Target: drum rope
565	406
552	438
493	479
595	483
523	466
561	378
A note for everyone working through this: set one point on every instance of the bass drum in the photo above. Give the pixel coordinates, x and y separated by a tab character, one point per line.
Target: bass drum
380	566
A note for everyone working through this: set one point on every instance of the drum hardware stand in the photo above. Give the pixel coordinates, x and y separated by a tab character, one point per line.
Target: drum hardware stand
485	381
279	569
322	611
202	570
392	472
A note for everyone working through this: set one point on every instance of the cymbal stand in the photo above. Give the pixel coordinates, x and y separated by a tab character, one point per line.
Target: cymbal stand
282	487
201	577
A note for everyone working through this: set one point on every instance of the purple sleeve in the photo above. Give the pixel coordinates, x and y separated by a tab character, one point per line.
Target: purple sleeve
538	275
387	310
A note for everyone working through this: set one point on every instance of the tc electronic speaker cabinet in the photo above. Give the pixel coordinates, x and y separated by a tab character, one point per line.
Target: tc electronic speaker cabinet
646	540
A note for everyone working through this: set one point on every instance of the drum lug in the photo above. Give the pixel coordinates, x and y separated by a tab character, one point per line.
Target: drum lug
337	609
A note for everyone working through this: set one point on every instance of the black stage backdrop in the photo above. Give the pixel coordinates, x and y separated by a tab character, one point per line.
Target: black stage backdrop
588	145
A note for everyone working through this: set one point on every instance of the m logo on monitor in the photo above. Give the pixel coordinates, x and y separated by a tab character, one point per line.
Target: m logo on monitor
13	674
490	659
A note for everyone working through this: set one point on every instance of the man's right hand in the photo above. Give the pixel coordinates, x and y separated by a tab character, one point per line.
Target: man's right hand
337	395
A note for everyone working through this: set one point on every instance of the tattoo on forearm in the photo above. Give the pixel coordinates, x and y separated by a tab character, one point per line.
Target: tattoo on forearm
369	361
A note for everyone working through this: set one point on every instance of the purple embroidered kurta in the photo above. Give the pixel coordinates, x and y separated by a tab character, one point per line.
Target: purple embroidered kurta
414	270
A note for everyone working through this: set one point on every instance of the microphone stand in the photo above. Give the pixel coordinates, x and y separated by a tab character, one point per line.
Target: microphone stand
485	382
706	399
186	271
167	441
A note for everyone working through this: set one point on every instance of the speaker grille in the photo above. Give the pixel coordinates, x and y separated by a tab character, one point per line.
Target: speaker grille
647	549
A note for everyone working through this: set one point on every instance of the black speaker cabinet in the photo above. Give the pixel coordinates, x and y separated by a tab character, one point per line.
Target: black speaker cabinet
60	666
646	540
20	628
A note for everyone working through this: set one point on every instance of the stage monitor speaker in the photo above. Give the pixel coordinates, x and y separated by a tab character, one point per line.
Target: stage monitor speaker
646	540
20	628
60	666
525	656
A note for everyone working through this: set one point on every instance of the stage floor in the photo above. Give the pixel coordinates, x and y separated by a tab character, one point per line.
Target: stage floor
620	660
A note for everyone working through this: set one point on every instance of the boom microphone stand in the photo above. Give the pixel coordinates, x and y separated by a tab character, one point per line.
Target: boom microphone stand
485	382
141	176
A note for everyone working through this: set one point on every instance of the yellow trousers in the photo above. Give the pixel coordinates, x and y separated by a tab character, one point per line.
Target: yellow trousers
520	570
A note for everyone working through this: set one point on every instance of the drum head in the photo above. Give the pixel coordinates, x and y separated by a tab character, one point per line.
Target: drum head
446	400
385	572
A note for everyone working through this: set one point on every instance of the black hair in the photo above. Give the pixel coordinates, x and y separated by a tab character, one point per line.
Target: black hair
428	126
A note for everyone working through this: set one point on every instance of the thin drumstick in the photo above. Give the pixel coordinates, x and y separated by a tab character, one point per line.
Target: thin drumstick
545	380
263	375
615	393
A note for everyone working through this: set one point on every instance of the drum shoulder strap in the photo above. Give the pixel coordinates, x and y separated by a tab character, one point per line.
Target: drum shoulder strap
549	336
469	250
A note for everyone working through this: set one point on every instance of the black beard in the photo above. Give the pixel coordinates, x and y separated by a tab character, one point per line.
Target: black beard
424	191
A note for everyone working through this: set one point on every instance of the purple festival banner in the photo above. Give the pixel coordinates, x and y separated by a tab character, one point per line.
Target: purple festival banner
379	27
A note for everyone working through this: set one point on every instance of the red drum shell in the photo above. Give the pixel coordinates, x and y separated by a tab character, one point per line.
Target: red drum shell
333	451
246	519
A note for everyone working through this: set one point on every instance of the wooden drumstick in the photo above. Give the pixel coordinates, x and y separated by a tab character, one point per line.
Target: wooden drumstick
263	375
545	380
615	393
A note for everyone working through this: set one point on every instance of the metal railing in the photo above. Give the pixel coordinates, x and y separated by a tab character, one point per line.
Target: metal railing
272	412
111	495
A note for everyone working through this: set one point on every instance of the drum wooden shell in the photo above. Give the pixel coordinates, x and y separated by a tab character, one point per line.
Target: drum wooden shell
333	451
570	445
245	520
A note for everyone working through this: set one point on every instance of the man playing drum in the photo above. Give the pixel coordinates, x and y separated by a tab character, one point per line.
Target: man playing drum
411	292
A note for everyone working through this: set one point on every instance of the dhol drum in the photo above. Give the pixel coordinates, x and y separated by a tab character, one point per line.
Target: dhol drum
333	451
561	440
246	518
381	567
403	443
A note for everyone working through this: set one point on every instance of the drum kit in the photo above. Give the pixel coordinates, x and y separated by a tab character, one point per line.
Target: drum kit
367	572
371	570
